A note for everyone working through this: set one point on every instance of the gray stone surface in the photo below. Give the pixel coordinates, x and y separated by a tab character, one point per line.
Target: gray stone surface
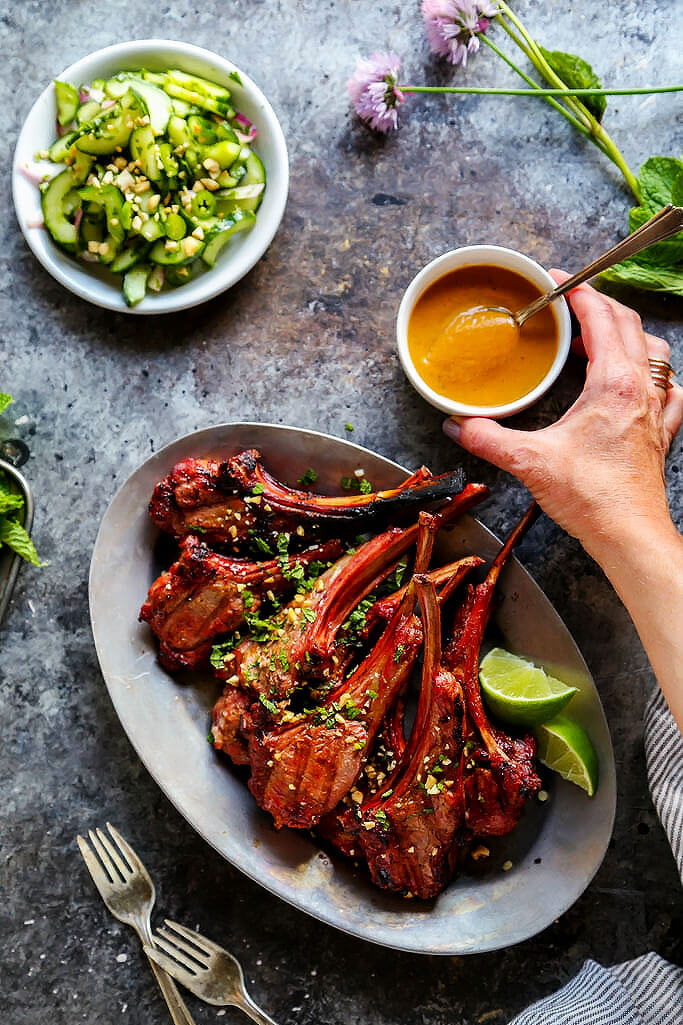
306	339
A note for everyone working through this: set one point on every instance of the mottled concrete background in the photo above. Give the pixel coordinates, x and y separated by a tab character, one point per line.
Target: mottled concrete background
305	339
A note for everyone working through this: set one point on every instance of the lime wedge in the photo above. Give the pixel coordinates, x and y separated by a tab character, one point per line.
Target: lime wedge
518	692
565	747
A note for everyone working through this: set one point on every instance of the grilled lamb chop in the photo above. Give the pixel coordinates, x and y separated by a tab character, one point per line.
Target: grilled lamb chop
499	770
302	769
226	721
231	500
304	643
303	765
203	595
409	831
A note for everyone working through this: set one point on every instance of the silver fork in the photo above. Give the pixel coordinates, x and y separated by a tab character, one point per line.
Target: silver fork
128	892
206	969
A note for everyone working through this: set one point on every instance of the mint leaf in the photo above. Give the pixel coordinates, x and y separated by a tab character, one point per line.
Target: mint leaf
5	401
639	272
8	502
15	537
576	73
667	253
657	179
677	190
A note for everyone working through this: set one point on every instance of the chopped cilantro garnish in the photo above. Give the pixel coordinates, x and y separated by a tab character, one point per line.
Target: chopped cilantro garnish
262	546
210	737
309	614
309	477
365	487
355	483
257	489
398	654
284	661
381	817
372	694
348	427
247	599
357	621
219	651
270	706
347	483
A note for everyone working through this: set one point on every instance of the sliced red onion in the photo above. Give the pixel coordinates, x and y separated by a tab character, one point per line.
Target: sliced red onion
83	94
245	139
78	217
34	176
89	257
242	120
107	104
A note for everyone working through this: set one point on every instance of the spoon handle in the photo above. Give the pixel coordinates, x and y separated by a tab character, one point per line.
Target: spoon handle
667	222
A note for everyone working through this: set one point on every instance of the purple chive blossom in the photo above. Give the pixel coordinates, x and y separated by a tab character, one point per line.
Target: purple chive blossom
374	93
452	26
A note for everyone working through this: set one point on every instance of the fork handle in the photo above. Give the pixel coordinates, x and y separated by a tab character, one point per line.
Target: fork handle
252	1010
174	1001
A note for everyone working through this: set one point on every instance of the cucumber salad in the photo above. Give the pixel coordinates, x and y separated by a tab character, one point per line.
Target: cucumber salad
160	175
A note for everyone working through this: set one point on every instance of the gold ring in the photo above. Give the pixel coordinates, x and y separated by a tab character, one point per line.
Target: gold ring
662	372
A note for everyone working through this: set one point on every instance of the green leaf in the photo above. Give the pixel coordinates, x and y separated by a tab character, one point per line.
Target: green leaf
5	401
666	253
15	537
657	179
638	272
9	502
677	190
576	73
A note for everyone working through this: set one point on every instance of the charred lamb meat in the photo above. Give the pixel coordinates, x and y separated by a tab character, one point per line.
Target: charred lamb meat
230	502
204	594
499	772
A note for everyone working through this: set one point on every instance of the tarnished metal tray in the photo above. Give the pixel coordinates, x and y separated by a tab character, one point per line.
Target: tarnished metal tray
9	561
556	849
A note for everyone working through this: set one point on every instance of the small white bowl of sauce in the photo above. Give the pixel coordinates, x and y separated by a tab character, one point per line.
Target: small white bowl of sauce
467	360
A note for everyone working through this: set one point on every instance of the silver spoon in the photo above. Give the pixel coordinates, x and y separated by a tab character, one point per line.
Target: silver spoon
667	222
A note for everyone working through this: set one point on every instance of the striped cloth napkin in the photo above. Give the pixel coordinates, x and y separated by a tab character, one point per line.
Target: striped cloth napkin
647	990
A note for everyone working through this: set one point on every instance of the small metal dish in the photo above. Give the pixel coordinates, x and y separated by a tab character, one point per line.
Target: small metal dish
9	561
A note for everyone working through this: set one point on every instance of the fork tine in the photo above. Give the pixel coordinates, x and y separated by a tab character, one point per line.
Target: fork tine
99	876
113	853
175	970
171	949
198	955
127	851
104	857
205	946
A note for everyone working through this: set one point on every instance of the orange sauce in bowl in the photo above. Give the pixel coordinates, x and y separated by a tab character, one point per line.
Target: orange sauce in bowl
472	355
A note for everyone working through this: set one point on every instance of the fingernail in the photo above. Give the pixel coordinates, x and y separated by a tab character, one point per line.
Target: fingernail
451	429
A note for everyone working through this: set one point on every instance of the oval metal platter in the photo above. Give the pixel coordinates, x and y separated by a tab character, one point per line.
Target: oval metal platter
556	849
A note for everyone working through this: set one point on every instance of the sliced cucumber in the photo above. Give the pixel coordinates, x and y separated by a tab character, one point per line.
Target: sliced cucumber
176	227
171	166
59	149
179	92
157	103
199	85
201	130
52	202
155	281
173	257
128	257
216	239
255	175
144	149
111	200
110	131
183	109
179	275
87	111
152	230
67	102
135	283
225	153
224	131
118	86
178	132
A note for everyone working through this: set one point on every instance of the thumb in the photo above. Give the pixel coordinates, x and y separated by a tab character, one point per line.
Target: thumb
507	449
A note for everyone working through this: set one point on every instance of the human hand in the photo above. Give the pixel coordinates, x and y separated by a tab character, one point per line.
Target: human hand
602	463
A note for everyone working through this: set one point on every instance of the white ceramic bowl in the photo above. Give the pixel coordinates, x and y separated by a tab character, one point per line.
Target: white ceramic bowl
467	257
95	283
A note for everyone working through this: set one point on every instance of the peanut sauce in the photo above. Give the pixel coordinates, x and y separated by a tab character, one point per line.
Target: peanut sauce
477	356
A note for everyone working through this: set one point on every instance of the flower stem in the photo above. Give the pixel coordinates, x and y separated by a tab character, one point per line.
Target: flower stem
536	91
592	127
